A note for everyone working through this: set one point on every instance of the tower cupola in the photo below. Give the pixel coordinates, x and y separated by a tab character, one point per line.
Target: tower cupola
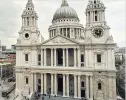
95	12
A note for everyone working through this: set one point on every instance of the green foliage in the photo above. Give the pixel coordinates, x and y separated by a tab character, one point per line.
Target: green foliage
120	83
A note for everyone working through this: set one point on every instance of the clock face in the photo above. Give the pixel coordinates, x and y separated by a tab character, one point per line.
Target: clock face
98	32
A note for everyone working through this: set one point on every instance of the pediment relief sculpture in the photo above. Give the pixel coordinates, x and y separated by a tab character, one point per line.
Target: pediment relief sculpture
59	40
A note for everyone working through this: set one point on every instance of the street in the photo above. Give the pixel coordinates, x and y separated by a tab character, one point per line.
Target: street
4	86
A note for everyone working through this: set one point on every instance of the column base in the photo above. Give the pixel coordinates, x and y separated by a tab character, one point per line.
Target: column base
64	96
79	97
91	99
75	97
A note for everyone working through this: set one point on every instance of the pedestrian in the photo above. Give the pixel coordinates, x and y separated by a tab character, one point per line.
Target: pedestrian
42	98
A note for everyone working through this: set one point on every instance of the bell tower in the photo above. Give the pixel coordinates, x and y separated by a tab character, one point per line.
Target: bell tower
96	26
95	13
29	33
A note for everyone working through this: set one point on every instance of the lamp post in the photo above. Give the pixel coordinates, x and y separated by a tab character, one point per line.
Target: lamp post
1	70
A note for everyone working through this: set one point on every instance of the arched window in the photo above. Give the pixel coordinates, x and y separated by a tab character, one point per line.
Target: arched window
26	80
82	84
99	86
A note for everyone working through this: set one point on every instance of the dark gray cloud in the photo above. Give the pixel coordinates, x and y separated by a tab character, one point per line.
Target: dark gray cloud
11	10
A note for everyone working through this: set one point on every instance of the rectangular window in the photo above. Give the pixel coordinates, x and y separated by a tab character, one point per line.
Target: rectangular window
26	57
95	12
39	59
82	58
99	58
26	80
96	19
89	16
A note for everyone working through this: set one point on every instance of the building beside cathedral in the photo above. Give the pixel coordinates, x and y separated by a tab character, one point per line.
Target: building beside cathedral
74	62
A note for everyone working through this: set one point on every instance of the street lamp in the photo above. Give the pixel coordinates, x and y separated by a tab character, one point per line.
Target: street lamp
1	69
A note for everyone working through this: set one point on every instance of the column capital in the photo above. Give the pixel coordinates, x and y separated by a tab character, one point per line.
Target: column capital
52	73
67	74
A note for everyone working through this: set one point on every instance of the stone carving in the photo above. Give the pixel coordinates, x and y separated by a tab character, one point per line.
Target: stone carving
18	41
55	41
88	40
58	30
62	41
27	51
59	40
110	39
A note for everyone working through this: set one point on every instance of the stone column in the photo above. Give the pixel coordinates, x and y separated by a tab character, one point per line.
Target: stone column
79	87
45	83
42	84
91	88
52	33
32	86
41	57
67	80
55	85
104	16
75	58
78	57
51	84
55	57
75	86
22	21
66	32
87	88
87	17
67	59
45	57
64	87
63	57
51	57
35	81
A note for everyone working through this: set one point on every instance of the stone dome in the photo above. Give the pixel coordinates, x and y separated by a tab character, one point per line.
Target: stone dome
65	12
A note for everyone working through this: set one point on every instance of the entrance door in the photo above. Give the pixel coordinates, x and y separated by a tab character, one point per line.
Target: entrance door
83	93
39	88
60	57
60	84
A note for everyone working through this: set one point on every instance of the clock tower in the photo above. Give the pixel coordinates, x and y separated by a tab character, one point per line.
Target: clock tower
96	26
29	33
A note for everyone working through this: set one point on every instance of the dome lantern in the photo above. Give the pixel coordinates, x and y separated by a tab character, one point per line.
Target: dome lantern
64	3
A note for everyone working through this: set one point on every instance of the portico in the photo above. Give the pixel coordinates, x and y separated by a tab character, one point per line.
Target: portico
61	57
61	85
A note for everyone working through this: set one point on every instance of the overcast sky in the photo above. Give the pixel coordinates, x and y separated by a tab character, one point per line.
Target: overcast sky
11	10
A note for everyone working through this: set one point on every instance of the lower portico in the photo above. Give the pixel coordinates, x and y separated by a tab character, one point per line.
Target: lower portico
66	85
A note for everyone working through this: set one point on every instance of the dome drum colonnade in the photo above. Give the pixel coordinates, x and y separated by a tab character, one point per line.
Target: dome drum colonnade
66	21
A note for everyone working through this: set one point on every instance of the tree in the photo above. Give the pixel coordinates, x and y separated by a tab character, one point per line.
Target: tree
120	82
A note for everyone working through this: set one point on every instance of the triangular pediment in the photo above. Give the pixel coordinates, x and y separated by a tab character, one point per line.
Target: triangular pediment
60	40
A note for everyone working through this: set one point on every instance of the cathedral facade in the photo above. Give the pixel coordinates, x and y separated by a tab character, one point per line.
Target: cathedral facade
74	62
